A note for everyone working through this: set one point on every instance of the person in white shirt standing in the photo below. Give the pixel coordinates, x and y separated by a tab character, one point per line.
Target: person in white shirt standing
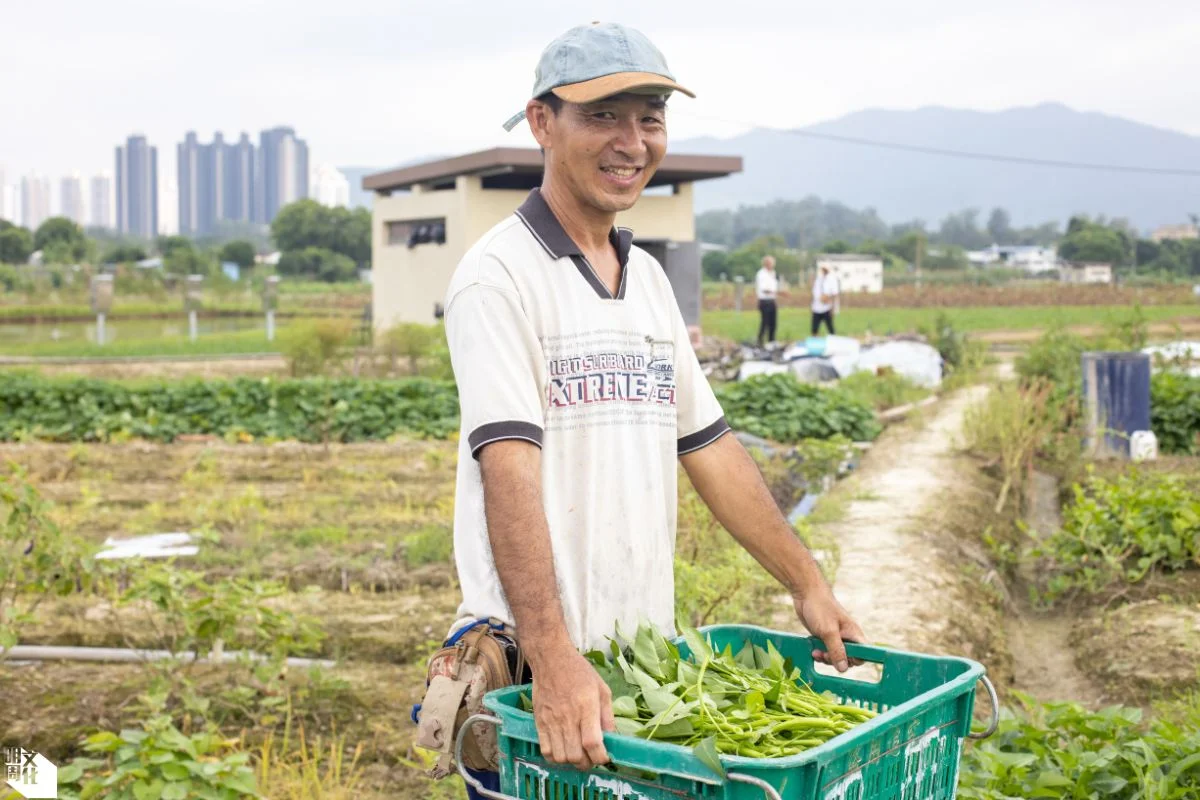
766	285
824	302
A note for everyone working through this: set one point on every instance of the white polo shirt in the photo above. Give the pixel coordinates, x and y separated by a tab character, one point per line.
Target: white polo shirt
608	387
825	285
766	284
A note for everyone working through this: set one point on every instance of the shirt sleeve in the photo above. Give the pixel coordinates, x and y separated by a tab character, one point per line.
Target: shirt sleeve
700	420
497	359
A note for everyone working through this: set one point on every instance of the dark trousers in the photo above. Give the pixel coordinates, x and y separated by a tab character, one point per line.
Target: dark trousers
768	312
822	316
490	780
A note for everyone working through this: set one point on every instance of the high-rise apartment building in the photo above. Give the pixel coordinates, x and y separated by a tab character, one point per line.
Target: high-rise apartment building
330	187
70	199
137	188
35	201
216	183
100	209
281	171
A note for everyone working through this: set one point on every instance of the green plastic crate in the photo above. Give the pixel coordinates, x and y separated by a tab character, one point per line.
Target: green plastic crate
909	752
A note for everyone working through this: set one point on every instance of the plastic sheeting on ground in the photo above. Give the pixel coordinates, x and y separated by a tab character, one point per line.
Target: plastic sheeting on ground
818	360
1178	356
156	545
919	362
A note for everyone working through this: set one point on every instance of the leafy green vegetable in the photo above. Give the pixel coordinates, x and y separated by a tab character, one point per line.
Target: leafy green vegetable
309	410
1175	412
1121	530
1063	750
780	408
750	704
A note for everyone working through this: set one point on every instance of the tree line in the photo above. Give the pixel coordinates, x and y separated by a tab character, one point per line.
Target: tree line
315	242
795	231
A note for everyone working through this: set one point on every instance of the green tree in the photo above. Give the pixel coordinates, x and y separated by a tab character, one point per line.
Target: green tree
16	245
166	244
307	223
1092	242
905	246
124	254
1000	227
944	257
180	257
836	246
239	252
318	263
962	230
61	241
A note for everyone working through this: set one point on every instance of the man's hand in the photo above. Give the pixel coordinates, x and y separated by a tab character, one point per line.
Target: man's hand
825	618
571	707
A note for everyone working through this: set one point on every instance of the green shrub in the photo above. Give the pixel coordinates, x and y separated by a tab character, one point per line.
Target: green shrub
1014	424
780	408
1122	530
159	762
432	545
1055	356
315	349
309	410
881	392
413	341
1063	750
1175	412
319	264
37	560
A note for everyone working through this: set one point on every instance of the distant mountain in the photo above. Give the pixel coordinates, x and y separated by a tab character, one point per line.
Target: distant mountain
903	186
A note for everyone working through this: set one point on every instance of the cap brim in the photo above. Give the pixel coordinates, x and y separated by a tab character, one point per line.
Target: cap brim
618	82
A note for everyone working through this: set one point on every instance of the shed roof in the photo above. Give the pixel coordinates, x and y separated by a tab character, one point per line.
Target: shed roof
521	168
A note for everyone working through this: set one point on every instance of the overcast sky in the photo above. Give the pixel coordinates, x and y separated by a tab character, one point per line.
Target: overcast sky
377	82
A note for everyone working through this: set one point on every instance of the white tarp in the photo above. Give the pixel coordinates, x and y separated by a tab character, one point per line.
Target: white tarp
916	361
1180	356
156	545
751	368
841	351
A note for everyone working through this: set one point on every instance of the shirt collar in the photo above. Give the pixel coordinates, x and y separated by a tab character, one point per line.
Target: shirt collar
536	214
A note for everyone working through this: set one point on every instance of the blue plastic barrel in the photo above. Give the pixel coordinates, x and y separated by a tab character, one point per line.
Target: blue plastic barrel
1116	401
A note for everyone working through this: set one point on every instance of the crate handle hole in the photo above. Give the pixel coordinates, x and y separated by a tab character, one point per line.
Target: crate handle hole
863	673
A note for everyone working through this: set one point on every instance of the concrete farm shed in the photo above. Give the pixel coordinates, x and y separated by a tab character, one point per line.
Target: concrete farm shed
426	216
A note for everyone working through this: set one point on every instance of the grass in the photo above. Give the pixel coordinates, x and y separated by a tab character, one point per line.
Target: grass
223	343
794	323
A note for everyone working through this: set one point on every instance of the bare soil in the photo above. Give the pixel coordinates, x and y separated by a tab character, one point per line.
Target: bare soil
216	367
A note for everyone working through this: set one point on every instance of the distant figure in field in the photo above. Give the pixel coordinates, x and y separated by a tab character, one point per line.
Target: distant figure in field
824	303
766	285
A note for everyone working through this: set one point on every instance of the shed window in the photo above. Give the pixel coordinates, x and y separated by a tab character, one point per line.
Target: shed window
414	232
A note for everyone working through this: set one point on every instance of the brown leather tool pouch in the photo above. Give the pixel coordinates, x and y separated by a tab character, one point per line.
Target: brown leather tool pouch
475	662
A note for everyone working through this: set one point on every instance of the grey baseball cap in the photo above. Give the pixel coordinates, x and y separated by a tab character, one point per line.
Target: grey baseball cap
591	62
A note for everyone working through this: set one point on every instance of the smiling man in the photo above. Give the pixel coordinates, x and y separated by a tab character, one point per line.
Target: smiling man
580	392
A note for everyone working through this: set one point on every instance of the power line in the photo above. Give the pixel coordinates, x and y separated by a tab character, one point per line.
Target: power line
967	154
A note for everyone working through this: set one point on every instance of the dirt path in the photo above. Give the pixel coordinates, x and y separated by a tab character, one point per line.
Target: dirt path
1044	663
1043	660
891	574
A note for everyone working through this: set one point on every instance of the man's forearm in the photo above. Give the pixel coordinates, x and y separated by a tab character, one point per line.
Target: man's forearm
520	539
731	485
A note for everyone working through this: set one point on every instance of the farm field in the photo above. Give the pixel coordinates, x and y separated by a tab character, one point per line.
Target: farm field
997	322
153	339
344	552
933	295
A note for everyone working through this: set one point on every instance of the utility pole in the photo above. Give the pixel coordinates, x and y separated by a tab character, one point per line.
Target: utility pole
920	247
